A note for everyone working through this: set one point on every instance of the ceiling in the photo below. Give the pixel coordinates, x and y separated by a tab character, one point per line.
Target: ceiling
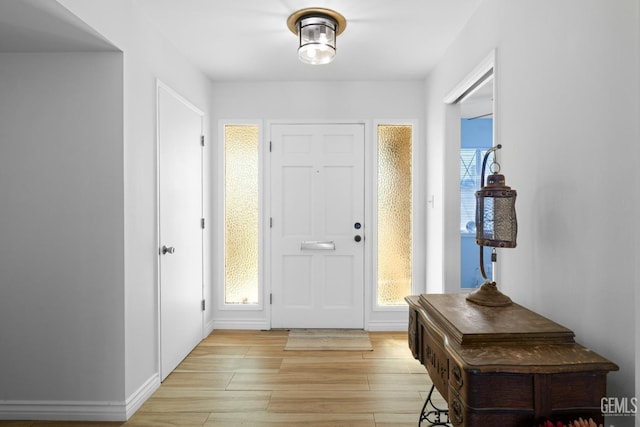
45	26
248	40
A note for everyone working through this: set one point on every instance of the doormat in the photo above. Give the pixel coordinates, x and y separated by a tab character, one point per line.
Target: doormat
329	340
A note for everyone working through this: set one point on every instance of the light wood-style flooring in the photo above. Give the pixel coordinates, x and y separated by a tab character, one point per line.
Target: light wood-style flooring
246	378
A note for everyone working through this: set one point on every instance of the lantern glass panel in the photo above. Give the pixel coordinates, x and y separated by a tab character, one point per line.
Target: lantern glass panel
496	219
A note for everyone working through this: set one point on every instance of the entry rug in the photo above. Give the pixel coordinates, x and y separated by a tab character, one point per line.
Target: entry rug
328	340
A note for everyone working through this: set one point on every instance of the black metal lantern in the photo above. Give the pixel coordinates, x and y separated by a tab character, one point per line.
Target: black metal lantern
496	226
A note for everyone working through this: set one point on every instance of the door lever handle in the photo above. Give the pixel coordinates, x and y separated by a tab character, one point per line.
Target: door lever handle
168	250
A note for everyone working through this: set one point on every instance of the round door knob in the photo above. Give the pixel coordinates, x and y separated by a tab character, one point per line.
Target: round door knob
357	238
168	250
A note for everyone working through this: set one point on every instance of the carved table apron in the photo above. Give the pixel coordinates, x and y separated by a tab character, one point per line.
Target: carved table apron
504	366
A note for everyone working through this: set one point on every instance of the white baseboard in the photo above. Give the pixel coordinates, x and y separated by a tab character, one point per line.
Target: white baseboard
135	401
240	324
208	328
52	410
379	326
388	326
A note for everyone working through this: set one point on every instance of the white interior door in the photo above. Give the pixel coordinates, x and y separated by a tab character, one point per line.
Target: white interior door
180	213
317	232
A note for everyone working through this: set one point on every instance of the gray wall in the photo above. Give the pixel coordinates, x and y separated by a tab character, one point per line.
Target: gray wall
61	227
147	57
78	264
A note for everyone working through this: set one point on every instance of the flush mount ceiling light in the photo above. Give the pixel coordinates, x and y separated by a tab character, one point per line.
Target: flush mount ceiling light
317	30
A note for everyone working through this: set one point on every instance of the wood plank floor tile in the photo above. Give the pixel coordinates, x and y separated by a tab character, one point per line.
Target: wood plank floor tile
338	365
193	400
267	419
189	419
220	350
262	351
436	398
216	364
203	380
246	378
400	382
266	338
396	420
73	424
353	402
299	381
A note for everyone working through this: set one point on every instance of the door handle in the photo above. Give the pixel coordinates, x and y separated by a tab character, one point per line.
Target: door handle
168	250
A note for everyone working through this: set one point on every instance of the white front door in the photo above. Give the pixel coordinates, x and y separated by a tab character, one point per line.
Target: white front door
317	228
180	213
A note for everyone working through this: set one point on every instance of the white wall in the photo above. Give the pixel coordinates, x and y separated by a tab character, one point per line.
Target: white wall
567	117
61	227
318	101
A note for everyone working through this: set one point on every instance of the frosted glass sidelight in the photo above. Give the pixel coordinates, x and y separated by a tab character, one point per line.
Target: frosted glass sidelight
394	214
241	214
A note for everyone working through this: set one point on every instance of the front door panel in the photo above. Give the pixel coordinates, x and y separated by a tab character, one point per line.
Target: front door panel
317	188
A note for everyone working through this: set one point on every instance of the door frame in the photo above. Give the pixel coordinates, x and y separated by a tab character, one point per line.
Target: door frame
369	185
161	85
258	316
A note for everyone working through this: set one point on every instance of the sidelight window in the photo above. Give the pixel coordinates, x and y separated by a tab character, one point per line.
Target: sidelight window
395	190
241	214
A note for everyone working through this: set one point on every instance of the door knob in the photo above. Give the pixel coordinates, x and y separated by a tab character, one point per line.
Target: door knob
357	238
168	250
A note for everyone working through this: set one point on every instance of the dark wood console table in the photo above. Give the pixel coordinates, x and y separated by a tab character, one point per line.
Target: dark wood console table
504	366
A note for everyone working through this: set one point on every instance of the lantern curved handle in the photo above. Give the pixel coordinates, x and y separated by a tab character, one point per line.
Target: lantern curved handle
484	162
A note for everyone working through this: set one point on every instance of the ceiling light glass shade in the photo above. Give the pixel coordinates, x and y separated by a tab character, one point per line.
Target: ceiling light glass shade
316	40
317	30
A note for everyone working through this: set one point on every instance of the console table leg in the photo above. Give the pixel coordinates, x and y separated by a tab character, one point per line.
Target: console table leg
432	414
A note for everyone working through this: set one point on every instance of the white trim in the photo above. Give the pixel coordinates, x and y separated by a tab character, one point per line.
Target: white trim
208	327
78	410
484	72
185	101
389	325
138	397
464	89
242	324
61	410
